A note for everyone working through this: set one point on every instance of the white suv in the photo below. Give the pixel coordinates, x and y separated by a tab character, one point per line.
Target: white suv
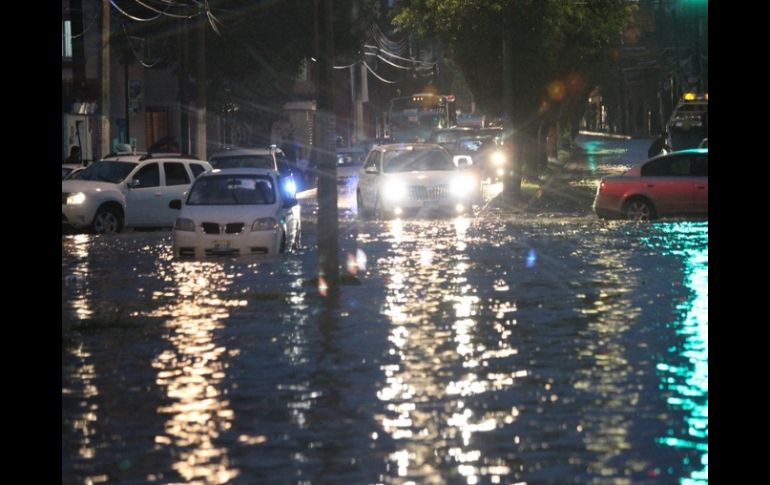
130	190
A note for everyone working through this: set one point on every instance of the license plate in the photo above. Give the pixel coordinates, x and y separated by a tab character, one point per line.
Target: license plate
221	245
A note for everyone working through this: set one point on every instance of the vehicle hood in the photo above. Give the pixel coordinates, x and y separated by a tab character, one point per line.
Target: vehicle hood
427	178
88	186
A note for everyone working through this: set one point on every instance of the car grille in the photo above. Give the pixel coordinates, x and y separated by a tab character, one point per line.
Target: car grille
234	228
420	192
210	227
214	228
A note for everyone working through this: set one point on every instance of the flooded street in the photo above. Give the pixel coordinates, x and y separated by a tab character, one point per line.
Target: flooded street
505	348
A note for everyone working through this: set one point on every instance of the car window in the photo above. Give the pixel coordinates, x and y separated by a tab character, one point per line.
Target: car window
416	160
197	169
667	167
176	174
147	176
232	190
372	160
114	172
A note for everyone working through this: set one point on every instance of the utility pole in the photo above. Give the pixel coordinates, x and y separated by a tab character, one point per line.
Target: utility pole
104	104
328	244
200	82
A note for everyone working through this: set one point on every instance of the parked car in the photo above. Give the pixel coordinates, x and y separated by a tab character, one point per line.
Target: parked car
271	158
131	190
67	169
406	178
236	211
673	184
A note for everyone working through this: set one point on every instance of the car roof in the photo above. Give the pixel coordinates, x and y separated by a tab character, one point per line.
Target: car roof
150	157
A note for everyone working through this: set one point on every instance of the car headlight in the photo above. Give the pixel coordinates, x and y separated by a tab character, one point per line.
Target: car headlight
498	158
462	185
183	224
264	224
76	199
394	190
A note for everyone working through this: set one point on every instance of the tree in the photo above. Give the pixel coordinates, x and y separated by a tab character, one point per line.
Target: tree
553	48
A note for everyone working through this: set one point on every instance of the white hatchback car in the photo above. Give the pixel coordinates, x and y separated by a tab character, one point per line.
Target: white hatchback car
237	211
131	190
405	178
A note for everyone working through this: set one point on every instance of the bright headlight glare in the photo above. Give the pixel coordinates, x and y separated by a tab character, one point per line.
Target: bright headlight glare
264	224
394	190
76	199
498	158
462	185
291	187
183	224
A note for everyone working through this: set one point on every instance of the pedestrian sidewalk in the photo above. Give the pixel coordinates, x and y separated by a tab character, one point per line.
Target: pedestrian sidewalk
569	184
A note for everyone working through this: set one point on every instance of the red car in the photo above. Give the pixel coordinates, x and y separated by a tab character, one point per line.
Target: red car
673	184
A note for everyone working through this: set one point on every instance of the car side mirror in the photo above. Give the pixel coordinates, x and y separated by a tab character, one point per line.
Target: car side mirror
175	204
372	169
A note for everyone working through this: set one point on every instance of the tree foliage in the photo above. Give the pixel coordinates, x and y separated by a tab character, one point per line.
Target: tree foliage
557	45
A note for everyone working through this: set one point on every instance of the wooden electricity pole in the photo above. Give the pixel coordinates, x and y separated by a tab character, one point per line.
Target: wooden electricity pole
328	244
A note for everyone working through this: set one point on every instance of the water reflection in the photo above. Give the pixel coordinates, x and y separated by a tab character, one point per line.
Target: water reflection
685	378
79	389
192	370
440	365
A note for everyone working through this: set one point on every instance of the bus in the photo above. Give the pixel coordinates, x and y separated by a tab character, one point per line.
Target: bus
413	118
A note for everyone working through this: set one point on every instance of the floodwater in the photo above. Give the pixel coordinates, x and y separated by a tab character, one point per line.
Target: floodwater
497	349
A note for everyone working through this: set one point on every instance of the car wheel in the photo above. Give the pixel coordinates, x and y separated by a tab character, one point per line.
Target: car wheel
107	221
638	209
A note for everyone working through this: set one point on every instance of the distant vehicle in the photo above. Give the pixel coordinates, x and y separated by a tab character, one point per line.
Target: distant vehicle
236	211
688	124
349	162
270	158
131	190
403	179
413	118
673	184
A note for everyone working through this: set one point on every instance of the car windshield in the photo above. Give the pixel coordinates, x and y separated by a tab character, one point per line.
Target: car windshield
416	160
232	190
244	161
114	172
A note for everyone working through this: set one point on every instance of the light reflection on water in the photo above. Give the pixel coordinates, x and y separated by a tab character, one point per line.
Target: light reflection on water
491	350
685	378
192	368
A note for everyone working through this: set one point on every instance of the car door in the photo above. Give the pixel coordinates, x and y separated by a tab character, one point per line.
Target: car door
144	196
667	182
176	181
369	176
